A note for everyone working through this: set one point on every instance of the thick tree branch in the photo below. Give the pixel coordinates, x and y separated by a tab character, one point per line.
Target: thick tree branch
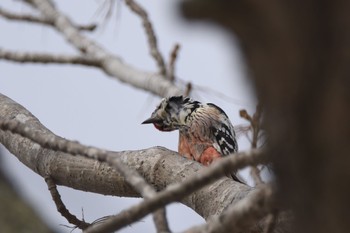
24	57
176	192
110	64
159	166
35	19
56	143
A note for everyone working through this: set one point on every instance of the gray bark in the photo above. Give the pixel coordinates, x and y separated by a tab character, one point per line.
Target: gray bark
160	167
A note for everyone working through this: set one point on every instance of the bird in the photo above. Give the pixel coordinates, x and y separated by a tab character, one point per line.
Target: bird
205	131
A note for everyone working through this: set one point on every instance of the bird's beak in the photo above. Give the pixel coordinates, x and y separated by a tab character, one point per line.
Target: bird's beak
152	120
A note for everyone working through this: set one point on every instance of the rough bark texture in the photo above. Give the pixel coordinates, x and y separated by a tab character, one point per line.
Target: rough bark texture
299	54
160	167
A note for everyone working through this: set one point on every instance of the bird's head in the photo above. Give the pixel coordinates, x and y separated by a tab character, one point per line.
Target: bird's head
172	112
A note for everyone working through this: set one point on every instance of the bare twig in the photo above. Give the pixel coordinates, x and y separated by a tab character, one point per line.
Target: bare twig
61	208
255	127
24	57
152	40
172	60
35	19
188	89
112	65
24	17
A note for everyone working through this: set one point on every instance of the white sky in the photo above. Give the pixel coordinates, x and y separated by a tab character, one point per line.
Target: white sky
84	104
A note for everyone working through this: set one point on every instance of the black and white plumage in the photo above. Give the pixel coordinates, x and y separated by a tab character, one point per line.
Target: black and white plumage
206	132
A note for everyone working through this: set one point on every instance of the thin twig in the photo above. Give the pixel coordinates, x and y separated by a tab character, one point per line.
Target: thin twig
188	89
152	40
172	60
110	64
24	57
61	208
35	19
255	127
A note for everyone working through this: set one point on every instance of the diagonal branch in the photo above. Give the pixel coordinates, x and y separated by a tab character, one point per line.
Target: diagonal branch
23	57
159	166
35	19
172	60
56	143
176	192
152	40
172	193
61	208
241	216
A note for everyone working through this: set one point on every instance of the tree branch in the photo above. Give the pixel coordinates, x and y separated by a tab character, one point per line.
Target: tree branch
152	40
35	19
23	57
172	60
176	192
255	128
159	166
56	143
110	64
241	216
61	208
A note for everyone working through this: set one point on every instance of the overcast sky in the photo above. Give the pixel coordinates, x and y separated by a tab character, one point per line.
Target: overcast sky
84	104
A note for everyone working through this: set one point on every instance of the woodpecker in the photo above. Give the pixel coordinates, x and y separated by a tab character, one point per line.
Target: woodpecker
205	131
